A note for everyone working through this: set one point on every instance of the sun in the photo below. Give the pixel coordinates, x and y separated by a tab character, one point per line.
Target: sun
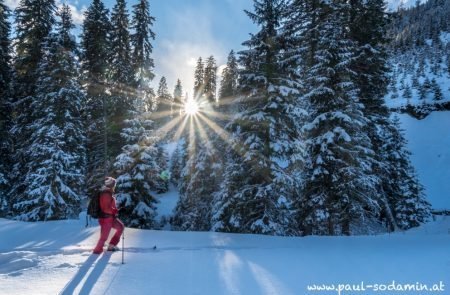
191	107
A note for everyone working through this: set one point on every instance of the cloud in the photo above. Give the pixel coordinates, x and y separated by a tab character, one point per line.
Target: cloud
12	3
190	37
77	13
177	60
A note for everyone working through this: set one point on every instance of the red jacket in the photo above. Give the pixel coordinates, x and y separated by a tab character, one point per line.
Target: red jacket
108	203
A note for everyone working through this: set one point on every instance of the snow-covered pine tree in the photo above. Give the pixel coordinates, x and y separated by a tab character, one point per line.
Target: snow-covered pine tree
339	187
5	109
178	98
199	77
210	80
141	25
5	57
94	57
228	89
263	135
178	161
230	76
198	183
368	23
448	64
161	184
55	176
407	93
402	186
34	21
437	92
165	102
422	93
64	27
137	170
178	92
163	91
121	77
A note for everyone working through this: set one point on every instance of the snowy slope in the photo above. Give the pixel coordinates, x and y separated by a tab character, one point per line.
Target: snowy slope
54	258
405	66
429	142
393	5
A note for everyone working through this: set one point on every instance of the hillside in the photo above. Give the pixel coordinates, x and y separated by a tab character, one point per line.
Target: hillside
420	63
54	258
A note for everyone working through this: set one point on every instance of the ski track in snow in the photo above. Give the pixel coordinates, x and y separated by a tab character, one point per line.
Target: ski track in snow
38	262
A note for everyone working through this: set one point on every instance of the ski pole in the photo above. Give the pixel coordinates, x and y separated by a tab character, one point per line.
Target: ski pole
123	245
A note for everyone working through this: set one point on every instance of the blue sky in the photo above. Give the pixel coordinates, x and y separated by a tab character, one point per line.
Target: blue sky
185	30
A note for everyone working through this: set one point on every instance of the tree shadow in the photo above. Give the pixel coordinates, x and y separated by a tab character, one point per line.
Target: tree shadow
90	281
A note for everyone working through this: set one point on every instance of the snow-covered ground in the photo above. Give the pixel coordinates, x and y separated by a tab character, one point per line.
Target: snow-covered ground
167	202
429	142
55	258
393	5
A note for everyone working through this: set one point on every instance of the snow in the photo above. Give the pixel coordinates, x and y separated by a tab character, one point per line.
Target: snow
170	147
429	142
442	79
445	37
393	5
54	258
167	202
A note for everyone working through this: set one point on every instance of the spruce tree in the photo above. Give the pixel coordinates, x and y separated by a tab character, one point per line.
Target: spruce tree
34	22
95	48
263	144
162	159
339	186
436	90
178	161
210	80
5	71
143	64
138	171
406	195
178	92
141	24
5	108
64	27
178	98
228	87
121	76
230	75
368	25
54	179
165	100
422	93
199	79
198	183
407	93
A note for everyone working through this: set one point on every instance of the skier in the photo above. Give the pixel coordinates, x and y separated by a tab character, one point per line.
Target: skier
108	218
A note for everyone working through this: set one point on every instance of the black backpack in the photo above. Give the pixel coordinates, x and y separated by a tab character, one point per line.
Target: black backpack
93	208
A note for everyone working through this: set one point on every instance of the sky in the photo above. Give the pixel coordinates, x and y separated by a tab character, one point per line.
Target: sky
189	29
186	30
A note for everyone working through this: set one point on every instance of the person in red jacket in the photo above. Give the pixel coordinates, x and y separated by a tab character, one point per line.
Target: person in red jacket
108	219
